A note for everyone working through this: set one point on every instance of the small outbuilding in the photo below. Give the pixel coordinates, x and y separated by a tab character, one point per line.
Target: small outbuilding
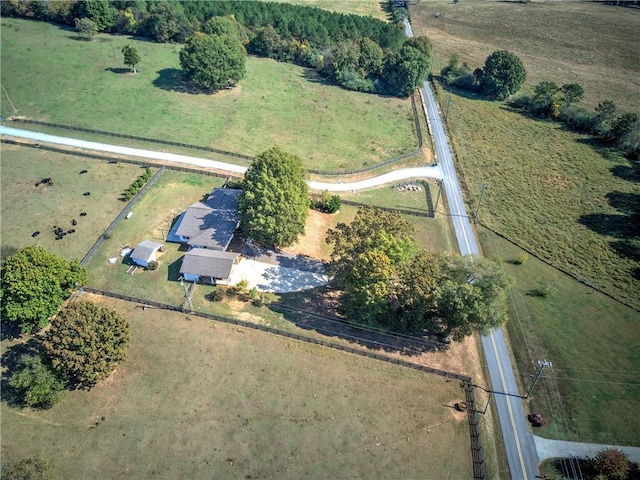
145	252
208	266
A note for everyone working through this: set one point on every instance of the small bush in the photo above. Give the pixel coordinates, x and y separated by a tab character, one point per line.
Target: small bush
241	286
33	468
216	295
253	293
521	259
543	290
153	265
258	301
612	463
328	203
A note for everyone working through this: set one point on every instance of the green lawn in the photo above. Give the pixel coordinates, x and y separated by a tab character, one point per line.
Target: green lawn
592	341
199	399
151	220
26	208
50	75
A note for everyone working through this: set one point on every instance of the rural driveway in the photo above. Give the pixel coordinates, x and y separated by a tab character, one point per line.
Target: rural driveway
391	177
270	270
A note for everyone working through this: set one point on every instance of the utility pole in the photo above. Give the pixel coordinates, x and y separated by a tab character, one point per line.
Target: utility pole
186	294
483	187
542	364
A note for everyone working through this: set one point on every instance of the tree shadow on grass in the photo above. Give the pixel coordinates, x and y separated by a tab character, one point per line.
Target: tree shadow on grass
319	313
174	80
118	70
630	173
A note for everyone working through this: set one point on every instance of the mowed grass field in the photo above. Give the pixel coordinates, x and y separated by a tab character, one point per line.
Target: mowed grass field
199	399
561	41
372	8
592	393
49	75
26	208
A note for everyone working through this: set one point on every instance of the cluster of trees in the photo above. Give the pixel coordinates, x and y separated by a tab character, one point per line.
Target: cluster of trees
357	52
84	342
388	281
135	187
502	76
551	100
34	283
274	205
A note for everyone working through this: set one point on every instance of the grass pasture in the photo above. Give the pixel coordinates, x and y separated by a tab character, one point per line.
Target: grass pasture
27	208
561	41
49	75
592	393
199	399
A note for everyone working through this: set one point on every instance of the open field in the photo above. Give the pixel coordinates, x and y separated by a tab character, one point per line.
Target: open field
562	41
50	75
199	399
27	208
373	8
550	190
592	341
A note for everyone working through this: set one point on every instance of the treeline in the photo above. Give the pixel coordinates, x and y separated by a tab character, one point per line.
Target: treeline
356	52
503	75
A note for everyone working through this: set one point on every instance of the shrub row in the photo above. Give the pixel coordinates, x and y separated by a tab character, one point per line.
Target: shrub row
135	187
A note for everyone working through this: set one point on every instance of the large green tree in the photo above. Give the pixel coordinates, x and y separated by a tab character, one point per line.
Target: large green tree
86	342
275	201
34	283
214	61
503	74
35	383
131	56
371	229
405	71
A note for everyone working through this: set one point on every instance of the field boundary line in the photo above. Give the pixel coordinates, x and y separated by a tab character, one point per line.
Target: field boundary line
121	215
477	452
416	121
574	276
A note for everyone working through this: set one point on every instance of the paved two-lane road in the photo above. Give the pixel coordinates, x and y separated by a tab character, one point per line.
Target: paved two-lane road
518	440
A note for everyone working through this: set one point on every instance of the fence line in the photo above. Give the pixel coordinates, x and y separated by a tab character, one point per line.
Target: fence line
428	214
240	155
477	453
579	278
133	137
121	215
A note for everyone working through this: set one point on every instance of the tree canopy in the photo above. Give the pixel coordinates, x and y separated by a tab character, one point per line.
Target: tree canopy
388	281
86	342
34	283
214	61
131	56
503	74
405	71
275	201
36	385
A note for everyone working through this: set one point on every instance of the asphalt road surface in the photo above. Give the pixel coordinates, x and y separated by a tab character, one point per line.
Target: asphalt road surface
518	440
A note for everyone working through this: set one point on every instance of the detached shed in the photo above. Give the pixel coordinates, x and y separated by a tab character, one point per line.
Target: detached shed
145	252
208	266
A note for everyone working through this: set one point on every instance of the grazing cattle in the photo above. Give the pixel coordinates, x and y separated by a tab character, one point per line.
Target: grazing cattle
58	237
86	194
73	222
83	214
35	234
82	172
71	231
37	184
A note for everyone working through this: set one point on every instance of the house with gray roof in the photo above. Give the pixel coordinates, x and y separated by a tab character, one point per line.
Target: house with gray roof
145	252
208	266
209	224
